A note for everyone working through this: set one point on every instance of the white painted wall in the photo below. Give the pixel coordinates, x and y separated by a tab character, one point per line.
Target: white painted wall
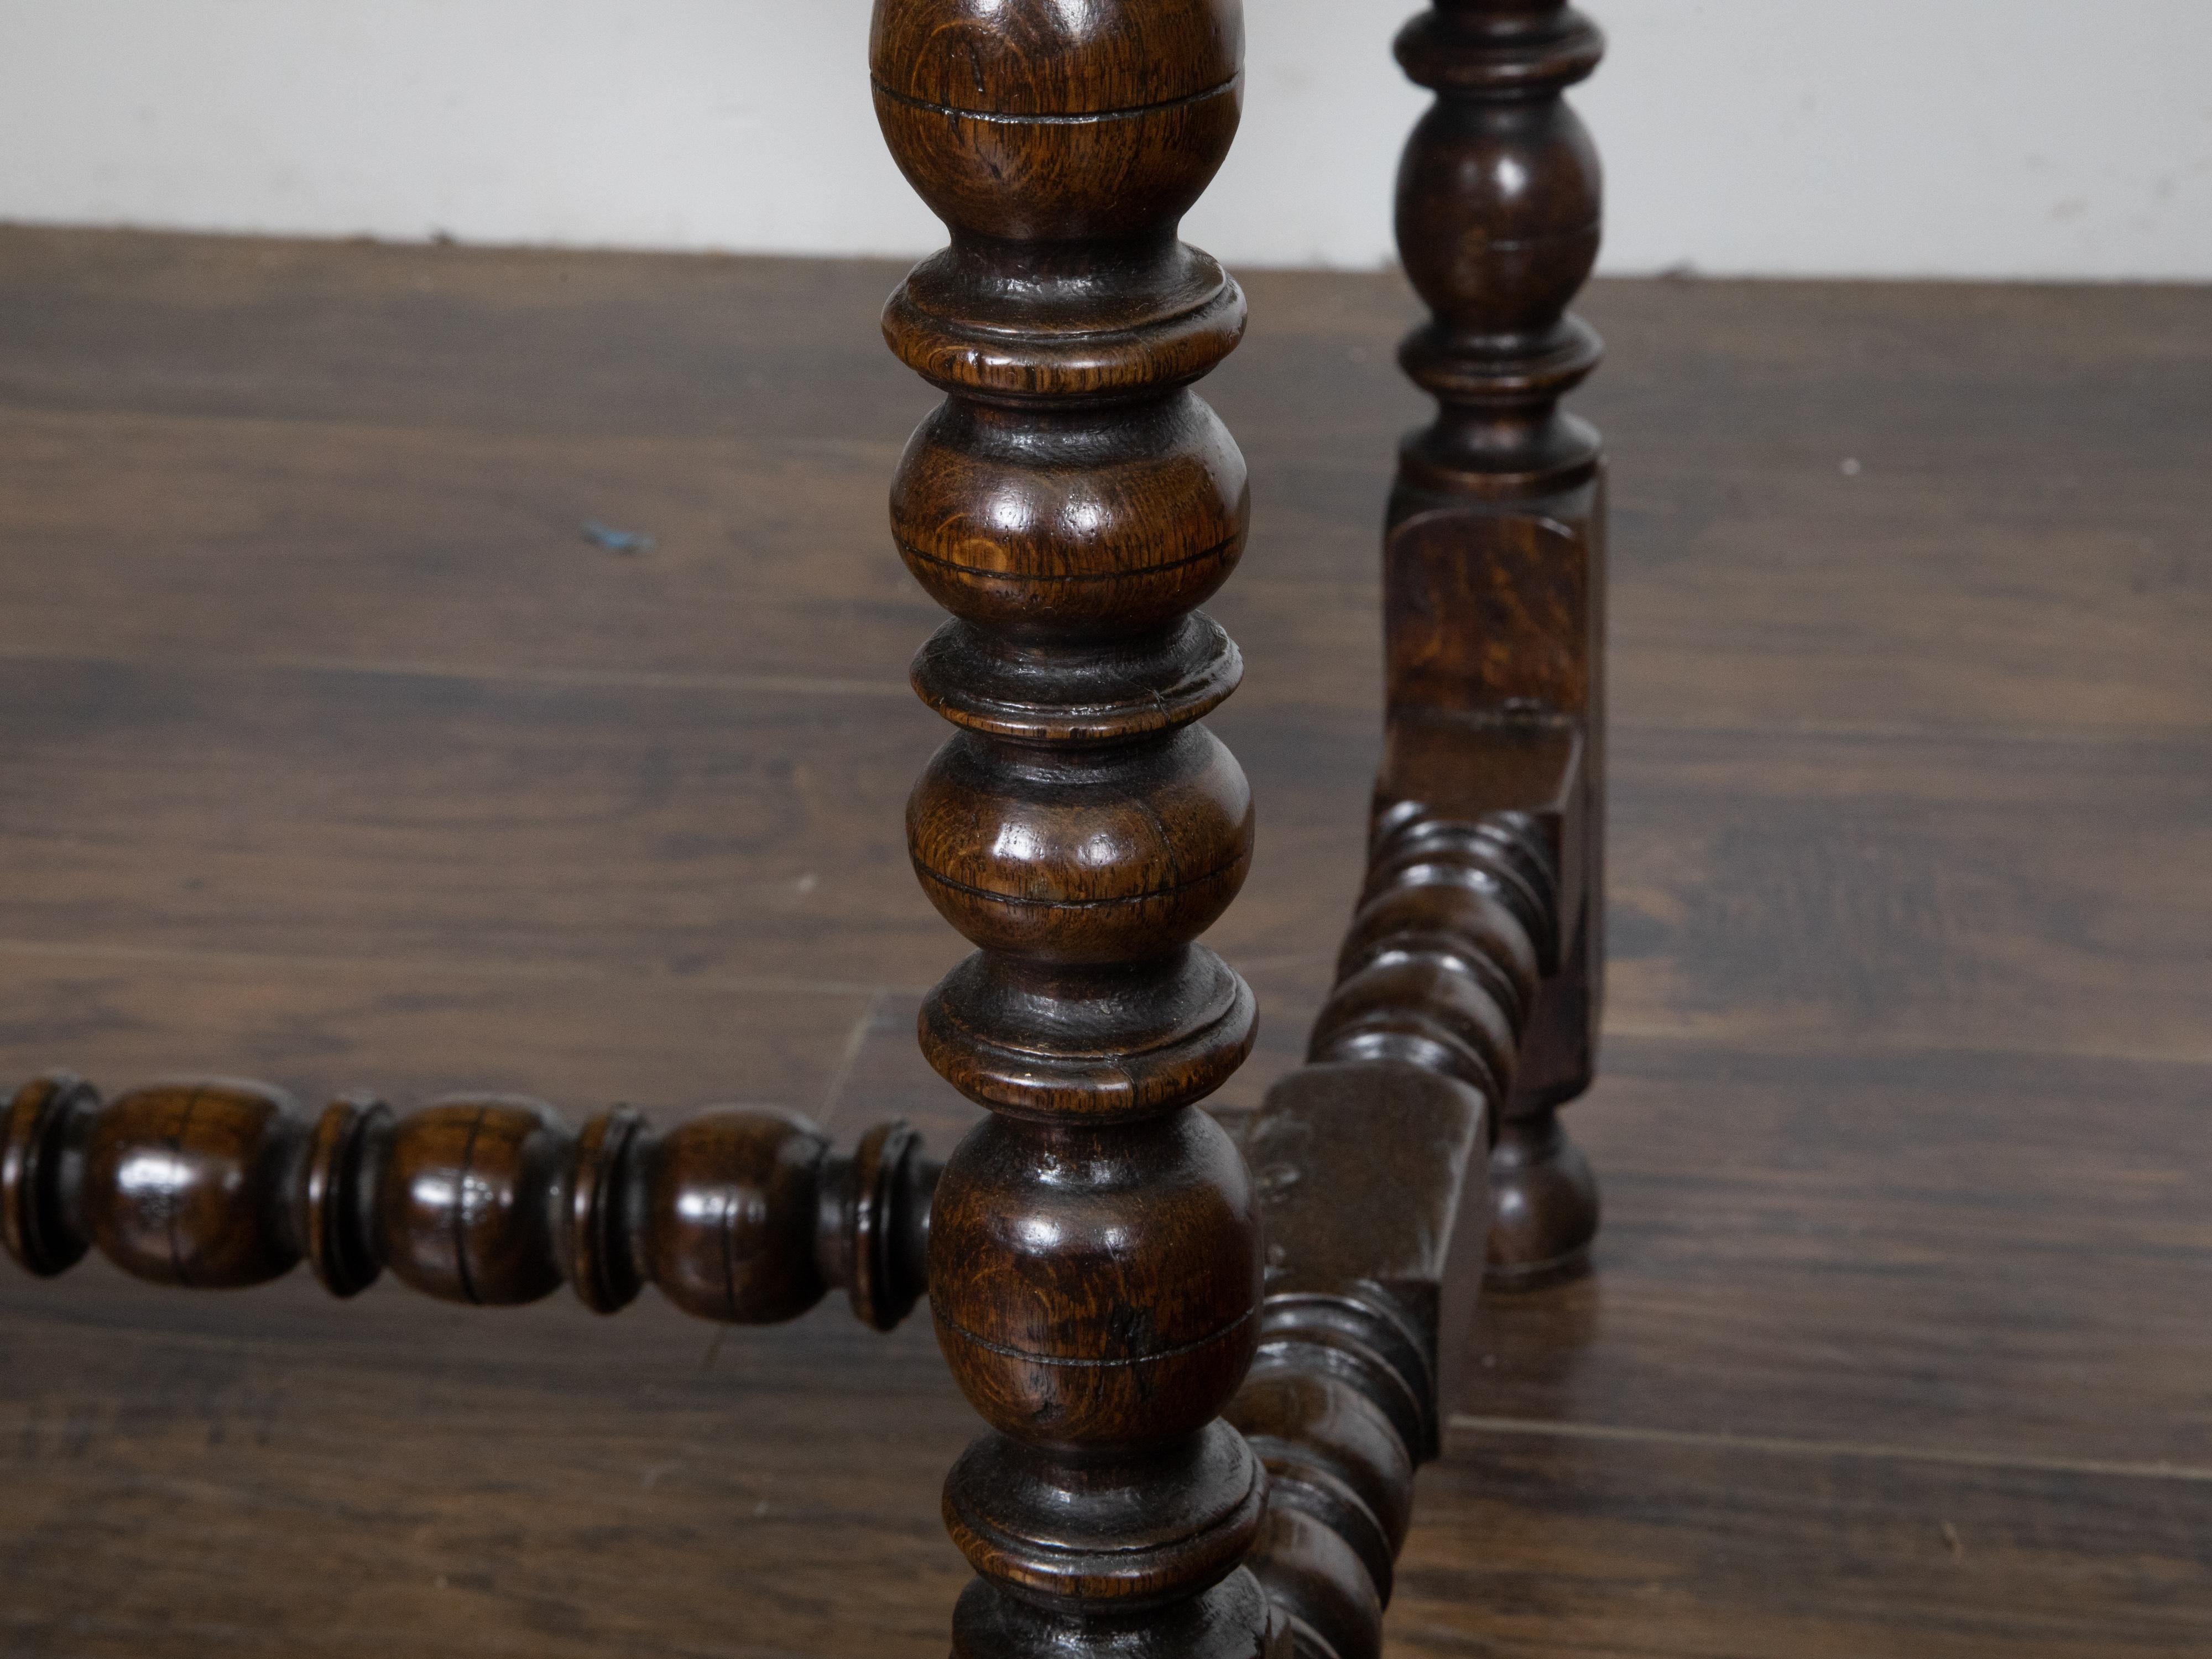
2031	139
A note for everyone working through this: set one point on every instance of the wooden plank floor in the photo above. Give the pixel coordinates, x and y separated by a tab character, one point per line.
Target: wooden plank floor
332	753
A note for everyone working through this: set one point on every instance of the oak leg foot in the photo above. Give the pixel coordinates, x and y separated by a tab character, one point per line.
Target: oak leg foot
1543	1205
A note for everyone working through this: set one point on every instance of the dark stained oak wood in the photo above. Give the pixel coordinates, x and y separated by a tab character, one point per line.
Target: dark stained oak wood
1494	560
1095	1256
739	1214
1903	1120
1374	1246
1807	1349
1827	1247
1487	849
1374	1162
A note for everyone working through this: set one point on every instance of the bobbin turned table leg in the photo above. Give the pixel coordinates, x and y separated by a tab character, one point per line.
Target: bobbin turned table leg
1095	1264
1494	561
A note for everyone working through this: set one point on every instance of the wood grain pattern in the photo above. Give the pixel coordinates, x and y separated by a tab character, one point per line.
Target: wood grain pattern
1923	1252
1904	1127
1903	893
1636	1549
1494	578
2009	492
291	1470
1889	894
739	1214
1808	1348
1095	1256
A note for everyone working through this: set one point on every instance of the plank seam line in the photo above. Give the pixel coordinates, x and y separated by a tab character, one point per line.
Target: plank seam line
2097	737
1784	1446
562	972
608	679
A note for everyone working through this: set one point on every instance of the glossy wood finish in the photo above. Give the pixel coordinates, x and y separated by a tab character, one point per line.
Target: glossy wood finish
1373	1159
1377	1211
743	1215
1095	1249
334	754
1494	556
1447	950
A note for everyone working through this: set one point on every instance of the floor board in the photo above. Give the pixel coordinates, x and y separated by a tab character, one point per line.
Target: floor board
1806	891
331	752
2008	552
1555	1546
1922	1252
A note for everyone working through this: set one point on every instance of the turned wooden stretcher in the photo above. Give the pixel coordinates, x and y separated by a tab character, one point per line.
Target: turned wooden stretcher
1209	1363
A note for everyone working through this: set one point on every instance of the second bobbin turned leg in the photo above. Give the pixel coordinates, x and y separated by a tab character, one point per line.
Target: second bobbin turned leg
1494	563
1094	1253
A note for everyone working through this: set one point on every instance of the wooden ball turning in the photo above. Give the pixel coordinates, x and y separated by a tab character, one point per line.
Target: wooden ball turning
733	1197
743	1214
1094	1257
